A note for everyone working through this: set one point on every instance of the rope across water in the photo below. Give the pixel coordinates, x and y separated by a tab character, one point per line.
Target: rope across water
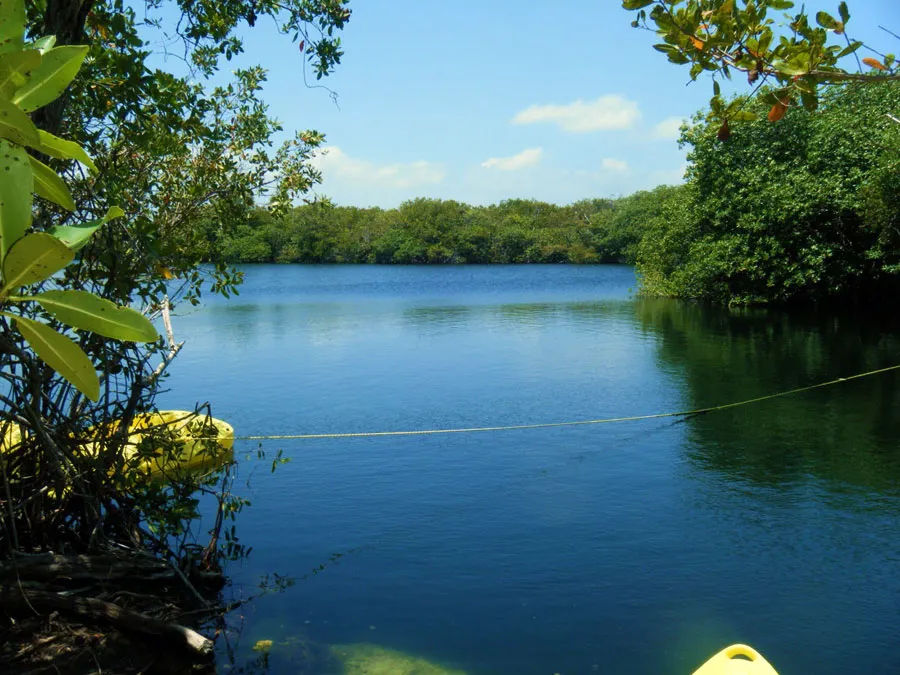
549	425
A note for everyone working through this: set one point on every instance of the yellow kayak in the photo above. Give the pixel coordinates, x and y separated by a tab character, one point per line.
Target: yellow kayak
737	660
202	442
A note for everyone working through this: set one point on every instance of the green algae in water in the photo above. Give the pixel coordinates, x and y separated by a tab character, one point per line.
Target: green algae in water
369	659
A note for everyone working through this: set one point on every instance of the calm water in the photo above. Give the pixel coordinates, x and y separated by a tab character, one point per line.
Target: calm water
641	547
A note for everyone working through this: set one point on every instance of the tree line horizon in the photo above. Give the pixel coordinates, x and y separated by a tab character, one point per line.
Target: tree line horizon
804	209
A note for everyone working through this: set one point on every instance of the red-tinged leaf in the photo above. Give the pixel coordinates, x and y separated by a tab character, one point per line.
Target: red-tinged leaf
724	132
302	44
778	111
874	63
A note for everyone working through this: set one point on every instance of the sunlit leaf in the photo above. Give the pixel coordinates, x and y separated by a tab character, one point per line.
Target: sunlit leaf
15	194
60	353
45	44
86	311
62	149
12	25
76	236
58	68
49	185
15	67
15	125
33	258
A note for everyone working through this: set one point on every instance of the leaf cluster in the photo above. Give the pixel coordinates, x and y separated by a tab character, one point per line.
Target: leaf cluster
36	74
793	55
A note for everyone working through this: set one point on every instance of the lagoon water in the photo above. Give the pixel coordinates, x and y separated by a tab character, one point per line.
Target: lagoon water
633	547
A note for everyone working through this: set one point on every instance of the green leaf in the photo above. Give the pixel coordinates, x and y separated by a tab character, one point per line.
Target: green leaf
62	149
45	44
789	70
33	258
58	68
825	20
15	67
60	353
674	53
86	311
849	49
15	125
50	186
844	12
16	187
12	25
76	236
636	4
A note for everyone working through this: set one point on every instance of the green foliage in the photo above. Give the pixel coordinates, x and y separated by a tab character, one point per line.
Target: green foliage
34	258
801	210
794	58
433	231
171	151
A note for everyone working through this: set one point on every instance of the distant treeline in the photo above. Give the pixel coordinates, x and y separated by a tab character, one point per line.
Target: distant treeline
434	231
803	209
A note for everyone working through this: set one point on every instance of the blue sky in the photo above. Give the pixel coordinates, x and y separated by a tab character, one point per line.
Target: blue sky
486	100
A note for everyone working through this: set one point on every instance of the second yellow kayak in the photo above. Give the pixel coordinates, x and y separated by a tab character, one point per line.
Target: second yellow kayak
737	660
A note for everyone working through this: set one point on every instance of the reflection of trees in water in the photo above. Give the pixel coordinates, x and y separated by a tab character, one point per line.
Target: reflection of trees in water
844	434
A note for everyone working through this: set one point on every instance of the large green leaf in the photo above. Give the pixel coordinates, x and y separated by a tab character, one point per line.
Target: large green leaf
12	25
62	149
61	354
76	236
86	311
50	186
15	125
15	67
58	68
34	258
15	194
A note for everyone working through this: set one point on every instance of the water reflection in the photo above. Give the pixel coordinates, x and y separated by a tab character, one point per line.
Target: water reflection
843	434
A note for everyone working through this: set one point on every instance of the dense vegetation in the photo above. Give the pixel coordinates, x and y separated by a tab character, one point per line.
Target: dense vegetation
89	123
433	231
804	209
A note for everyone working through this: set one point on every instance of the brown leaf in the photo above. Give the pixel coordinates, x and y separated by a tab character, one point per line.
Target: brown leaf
752	76
724	132
874	63
777	112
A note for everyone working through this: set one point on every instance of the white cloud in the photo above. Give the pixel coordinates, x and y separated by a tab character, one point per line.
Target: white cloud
335	163
606	113
669	128
529	157
616	165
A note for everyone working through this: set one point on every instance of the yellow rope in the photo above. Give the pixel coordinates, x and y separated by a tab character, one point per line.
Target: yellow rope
548	425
